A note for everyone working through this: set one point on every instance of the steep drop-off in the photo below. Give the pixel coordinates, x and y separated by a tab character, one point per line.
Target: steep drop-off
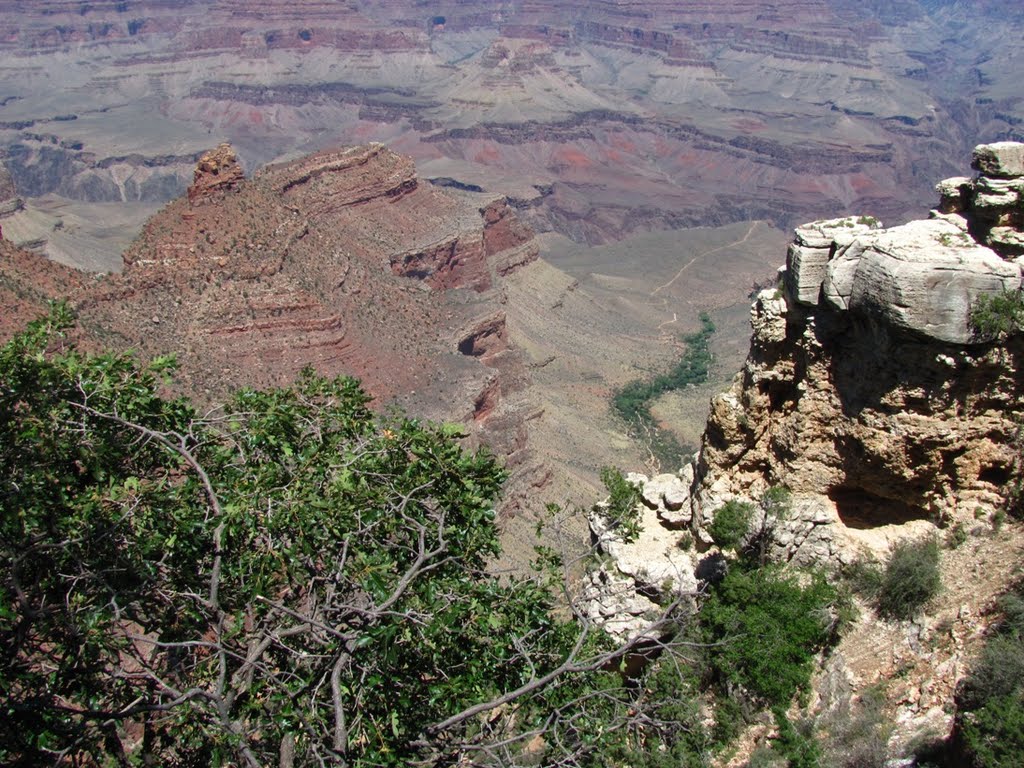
871	395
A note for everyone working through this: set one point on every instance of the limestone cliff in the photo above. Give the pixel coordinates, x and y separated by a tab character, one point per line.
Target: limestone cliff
866	390
868	394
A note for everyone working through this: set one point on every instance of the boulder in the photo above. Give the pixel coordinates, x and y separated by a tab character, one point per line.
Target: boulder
815	244
1003	159
953	194
924	277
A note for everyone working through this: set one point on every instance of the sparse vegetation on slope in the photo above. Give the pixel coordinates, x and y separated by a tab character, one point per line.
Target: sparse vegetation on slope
908	581
989	731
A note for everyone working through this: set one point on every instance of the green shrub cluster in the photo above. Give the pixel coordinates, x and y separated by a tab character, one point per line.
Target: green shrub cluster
621	508
763	627
911	578
731	523
998	315
633	401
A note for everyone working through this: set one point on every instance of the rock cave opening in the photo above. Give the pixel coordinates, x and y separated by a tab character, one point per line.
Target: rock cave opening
861	509
996	474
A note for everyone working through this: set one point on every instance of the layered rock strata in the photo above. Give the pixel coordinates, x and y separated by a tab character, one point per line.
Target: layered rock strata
601	119
343	261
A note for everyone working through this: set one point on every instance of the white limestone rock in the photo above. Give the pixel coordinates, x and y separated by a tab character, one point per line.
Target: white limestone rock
768	317
815	244
838	283
1003	159
952	193
994	198
612	602
653	564
924	277
1006	239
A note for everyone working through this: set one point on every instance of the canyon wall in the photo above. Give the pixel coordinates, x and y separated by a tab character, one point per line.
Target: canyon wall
868	391
598	119
343	261
871	393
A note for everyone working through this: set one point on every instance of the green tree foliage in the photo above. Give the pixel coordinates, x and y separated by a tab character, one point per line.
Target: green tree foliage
289	580
763	628
999	315
796	744
633	401
621	508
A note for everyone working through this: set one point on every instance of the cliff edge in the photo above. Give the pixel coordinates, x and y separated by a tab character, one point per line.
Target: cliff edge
867	391
870	394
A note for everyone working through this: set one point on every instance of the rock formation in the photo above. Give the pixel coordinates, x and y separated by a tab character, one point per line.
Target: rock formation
866	391
868	394
217	171
342	261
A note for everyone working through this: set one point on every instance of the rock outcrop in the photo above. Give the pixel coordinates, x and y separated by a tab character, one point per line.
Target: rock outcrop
218	171
639	578
343	261
866	391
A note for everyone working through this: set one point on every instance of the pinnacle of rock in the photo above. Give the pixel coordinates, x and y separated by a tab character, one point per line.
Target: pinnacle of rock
217	170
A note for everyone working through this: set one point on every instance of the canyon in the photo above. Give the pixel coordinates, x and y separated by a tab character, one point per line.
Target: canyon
598	121
659	152
435	297
496	217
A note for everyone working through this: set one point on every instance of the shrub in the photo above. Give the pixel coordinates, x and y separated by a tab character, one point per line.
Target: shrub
291	576
994	734
911	578
956	535
731	523
859	738
622	507
989	725
998	315
796	742
763	628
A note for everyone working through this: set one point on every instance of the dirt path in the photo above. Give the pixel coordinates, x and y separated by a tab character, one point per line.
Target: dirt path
687	265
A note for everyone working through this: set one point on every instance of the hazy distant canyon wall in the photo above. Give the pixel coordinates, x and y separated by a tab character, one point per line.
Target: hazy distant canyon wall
597	119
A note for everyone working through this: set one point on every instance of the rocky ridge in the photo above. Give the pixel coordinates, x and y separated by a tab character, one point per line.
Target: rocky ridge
344	261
